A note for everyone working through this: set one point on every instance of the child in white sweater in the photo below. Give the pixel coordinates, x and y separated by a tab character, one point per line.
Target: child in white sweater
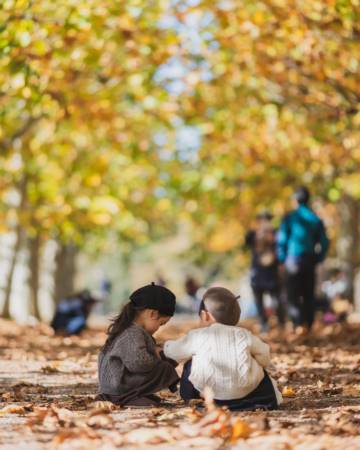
228	359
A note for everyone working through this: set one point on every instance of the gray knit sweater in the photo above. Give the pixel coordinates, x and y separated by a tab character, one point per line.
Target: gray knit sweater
130	366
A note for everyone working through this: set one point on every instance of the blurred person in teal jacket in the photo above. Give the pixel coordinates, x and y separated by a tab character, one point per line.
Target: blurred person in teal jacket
302	243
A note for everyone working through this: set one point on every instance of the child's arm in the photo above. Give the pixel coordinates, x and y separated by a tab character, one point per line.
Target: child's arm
260	351
179	350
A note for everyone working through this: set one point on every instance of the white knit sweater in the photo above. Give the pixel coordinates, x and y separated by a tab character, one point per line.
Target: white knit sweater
230	360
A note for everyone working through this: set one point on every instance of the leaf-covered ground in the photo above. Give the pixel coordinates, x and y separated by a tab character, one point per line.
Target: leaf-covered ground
48	384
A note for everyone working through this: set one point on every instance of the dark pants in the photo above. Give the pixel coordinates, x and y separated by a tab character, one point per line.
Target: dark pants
276	300
300	288
263	397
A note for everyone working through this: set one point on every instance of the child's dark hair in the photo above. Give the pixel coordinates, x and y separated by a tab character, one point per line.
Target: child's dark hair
222	304
120	323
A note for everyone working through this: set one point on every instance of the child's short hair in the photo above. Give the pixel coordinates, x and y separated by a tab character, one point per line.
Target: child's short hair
222	304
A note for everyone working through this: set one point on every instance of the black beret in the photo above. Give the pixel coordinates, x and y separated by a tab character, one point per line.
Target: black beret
155	297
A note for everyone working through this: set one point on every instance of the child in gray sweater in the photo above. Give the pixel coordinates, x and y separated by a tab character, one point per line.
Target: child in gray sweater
131	367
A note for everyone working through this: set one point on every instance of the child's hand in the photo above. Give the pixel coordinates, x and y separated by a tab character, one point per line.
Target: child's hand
158	350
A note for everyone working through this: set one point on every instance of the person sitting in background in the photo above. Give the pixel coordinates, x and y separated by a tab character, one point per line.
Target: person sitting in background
228	359
264	276
334	291
72	313
131	367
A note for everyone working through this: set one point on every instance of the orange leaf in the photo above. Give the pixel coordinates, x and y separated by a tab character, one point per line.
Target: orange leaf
288	391
241	430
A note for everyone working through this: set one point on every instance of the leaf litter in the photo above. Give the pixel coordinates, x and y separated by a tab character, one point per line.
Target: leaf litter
49	383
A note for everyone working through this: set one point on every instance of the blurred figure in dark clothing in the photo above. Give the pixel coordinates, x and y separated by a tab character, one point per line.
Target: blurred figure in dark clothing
264	267
72	313
192	287
189	304
302	244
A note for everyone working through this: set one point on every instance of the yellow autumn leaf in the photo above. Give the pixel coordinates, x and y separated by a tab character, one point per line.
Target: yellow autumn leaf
288	391
12	409
240	430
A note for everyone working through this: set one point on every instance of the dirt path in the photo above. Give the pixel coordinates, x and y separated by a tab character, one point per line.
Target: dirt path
47	388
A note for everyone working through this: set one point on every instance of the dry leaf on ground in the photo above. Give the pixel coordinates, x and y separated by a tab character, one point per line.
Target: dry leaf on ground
323	373
51	368
142	436
240	430
100	421
288	392
13	409
216	422
82	433
101	406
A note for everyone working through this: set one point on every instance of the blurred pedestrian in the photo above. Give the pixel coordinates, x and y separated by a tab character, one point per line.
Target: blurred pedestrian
192	288
264	276
302	244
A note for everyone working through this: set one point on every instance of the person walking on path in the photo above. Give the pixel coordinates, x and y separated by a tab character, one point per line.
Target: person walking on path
264	275
302	244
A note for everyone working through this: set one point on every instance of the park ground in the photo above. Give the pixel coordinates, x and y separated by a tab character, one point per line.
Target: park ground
48	385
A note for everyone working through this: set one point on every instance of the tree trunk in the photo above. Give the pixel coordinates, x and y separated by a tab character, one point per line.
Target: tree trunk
65	271
348	242
10	277
18	241
34	246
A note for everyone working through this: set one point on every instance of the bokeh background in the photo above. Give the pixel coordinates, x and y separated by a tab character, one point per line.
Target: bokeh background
139	139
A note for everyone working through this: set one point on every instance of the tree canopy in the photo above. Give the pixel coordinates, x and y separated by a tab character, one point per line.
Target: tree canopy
128	117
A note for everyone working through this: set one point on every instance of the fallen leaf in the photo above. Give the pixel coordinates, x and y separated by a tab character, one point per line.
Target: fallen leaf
100	421
102	408
149	436
8	396
50	368
352	390
52	418
168	417
240	430
13	409
216	422
288	391
194	415
83	433
37	417
66	418
86	359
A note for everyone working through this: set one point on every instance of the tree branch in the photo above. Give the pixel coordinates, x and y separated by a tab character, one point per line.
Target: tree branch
6	143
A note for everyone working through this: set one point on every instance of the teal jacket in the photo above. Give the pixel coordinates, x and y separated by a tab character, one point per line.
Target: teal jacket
302	233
